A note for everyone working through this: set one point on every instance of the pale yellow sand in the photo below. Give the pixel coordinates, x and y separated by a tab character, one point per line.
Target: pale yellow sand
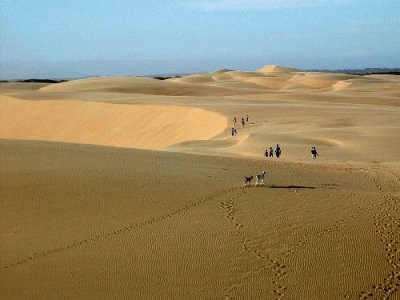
275	68
94	222
135	126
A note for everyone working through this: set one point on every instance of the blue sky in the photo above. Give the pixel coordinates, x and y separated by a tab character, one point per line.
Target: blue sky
77	38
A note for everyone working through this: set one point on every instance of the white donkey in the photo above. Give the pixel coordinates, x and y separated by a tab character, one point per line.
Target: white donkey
260	178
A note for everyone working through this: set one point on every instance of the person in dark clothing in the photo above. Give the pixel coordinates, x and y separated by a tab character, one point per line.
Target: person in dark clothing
271	152
278	151
242	122
314	153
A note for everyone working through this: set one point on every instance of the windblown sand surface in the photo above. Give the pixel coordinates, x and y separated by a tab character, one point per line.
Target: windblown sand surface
135	126
132	188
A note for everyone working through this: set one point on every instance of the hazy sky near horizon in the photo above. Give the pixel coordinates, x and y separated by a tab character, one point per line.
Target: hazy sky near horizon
76	38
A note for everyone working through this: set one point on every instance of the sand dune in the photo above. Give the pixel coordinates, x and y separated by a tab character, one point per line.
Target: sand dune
228	83
275	68
271	77
316	81
121	125
341	85
139	85
122	222
304	96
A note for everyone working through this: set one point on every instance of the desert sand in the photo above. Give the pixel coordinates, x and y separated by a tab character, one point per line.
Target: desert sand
132	188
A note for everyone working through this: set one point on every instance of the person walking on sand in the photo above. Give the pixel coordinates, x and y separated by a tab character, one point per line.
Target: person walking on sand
234	120
266	152
233	131
278	151
271	152
242	122
247	118
314	153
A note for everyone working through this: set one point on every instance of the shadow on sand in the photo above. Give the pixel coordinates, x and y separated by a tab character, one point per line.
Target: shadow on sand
292	187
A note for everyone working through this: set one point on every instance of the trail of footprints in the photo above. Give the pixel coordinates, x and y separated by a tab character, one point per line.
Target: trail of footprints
387	224
271	263
109	234
229	208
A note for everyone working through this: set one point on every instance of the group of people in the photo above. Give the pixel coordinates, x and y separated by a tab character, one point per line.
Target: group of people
234	131
244	120
270	152
278	151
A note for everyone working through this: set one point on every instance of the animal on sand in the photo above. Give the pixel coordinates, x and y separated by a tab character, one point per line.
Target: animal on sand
248	179
260	178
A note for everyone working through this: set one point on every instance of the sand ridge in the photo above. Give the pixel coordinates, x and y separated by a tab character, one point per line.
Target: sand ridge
225	83
121	125
269	78
276	68
219	83
139	85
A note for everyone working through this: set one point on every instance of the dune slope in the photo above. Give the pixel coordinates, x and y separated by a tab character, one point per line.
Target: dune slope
121	125
140	85
89	222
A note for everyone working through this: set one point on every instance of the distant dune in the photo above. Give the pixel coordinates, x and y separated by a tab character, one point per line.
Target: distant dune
140	85
269	77
275	68
220	83
341	85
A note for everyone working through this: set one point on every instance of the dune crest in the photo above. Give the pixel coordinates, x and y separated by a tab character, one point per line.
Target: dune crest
341	85
119	125
227	82
276	68
187	86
